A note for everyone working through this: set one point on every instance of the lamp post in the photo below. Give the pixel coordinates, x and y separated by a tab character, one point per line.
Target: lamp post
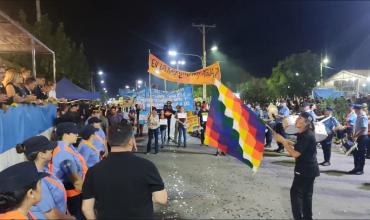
323	63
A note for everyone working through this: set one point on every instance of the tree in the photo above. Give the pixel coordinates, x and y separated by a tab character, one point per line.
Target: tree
71	61
255	90
295	75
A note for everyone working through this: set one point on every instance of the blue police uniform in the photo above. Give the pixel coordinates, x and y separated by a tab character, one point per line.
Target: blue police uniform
330	124
313	115
362	142
283	112
90	153
53	195
98	143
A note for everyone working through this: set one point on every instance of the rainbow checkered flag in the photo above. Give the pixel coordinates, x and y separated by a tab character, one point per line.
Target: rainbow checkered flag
233	128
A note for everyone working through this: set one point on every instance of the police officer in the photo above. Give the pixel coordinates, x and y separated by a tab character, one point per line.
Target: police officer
69	166
283	113
202	119
348	128
20	189
100	140
86	148
331	125
360	136
53	204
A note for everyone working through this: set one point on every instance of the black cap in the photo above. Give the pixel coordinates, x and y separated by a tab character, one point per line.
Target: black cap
66	128
37	144
87	131
307	115
329	109
18	176
93	120
357	106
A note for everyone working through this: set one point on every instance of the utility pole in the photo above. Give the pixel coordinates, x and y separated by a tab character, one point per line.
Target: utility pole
202	28
38	10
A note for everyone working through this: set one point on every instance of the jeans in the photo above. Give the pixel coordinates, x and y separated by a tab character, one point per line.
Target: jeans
163	136
280	130
182	131
152	132
301	197
202	132
359	154
326	148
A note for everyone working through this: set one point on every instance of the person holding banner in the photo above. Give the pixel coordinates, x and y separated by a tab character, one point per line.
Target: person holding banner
163	127
153	126
181	119
203	115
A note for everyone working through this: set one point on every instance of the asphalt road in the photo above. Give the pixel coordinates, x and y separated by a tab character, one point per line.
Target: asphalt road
204	186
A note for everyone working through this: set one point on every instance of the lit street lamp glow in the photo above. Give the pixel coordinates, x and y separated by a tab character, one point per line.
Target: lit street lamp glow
101	81
173	62
172	53
127	87
297	74
104	89
181	62
100	73
214	48
139	82
326	60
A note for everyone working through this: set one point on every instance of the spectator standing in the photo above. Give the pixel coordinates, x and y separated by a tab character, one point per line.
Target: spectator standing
140	126
202	117
168	112
163	128
181	119
153	126
131	191
114	117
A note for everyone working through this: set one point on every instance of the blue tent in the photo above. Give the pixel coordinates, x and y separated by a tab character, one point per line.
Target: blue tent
66	89
326	93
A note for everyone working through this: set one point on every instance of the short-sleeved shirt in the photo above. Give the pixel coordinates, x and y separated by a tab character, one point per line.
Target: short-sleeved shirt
90	153
330	124
62	156
99	141
306	164
351	119
122	186
283	112
52	196
313	114
361	122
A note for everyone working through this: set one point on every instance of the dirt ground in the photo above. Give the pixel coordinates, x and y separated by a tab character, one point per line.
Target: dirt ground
204	186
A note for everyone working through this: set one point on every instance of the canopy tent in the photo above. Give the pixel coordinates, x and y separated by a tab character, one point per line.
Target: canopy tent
326	93
66	89
15	39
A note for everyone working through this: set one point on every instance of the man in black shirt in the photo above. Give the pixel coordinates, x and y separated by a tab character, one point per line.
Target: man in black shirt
168	111
123	186
203	115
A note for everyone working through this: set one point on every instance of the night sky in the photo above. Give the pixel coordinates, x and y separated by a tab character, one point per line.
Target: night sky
251	35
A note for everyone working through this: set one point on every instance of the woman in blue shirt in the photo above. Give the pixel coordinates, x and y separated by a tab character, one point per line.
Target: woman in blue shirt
87	148
53	204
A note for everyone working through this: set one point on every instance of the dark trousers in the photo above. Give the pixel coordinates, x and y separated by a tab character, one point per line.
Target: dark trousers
268	137
74	205
168	128
280	130
301	197
326	148
202	132
359	154
152	132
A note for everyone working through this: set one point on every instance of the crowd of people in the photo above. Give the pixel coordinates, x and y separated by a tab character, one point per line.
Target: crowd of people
18	86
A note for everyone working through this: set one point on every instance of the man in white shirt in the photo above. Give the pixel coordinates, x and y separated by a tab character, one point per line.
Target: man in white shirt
153	126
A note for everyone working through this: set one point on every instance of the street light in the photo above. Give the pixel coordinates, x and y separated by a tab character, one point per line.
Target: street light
100	73
173	62
297	74
181	62
104	89
323	63
172	53
139	82
214	48
127	87
101	81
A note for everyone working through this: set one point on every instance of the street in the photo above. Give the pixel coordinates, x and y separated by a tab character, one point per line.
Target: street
203	186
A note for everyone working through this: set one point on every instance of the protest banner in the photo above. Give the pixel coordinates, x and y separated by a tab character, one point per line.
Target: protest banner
206	75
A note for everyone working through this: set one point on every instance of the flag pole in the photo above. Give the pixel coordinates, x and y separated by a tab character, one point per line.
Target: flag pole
150	90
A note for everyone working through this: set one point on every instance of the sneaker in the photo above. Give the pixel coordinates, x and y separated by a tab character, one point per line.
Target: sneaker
267	145
353	171
359	172
325	164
